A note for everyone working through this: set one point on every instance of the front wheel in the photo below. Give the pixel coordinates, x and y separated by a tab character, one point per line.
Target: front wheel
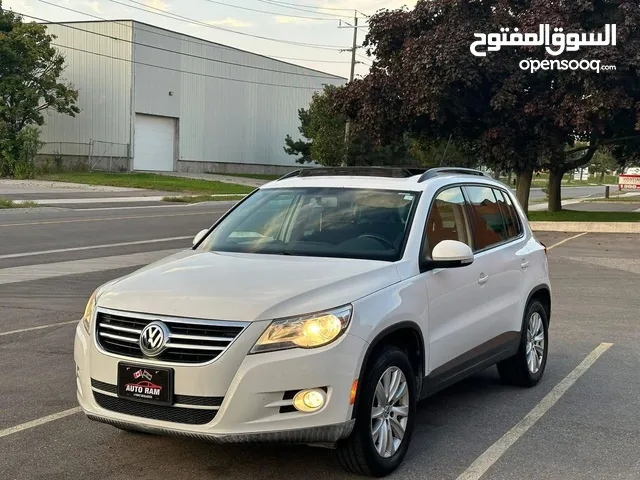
527	366
385	417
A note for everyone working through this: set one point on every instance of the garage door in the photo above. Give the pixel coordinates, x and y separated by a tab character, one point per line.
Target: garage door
153	148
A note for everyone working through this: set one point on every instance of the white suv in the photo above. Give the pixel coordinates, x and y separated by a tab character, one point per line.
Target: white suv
320	310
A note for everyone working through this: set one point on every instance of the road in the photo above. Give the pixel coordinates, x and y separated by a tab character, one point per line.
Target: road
571	192
591	432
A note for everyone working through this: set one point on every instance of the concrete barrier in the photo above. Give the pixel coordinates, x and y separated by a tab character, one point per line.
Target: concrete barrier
590	227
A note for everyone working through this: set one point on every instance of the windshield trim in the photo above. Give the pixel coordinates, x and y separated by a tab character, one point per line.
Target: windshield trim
401	251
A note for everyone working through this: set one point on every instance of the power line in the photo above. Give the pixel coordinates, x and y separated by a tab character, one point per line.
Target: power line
183	53
199	42
184	71
162	13
288	5
192	21
270	13
306	5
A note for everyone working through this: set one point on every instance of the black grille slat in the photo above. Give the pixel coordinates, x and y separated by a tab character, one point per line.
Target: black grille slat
105	387
182	399
189	416
176	355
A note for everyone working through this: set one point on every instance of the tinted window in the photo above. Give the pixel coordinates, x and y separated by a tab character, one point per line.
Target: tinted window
509	213
447	219
321	222
488	224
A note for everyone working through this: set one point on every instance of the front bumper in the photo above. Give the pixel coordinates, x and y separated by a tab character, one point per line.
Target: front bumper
251	390
312	435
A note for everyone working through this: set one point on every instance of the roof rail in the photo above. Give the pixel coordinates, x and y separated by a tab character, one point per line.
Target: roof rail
389	172
434	172
295	173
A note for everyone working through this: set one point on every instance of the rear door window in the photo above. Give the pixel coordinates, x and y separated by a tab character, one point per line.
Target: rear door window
488	225
514	228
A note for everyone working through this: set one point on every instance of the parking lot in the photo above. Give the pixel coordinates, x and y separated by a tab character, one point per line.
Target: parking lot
579	423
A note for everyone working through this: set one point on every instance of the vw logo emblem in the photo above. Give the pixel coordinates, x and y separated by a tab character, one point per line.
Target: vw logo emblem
153	339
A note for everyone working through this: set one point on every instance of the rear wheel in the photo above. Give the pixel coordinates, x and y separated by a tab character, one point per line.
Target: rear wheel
385	417
527	366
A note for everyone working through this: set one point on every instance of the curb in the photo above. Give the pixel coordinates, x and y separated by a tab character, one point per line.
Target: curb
588	227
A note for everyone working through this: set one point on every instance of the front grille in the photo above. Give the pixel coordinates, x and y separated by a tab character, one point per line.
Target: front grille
189	416
180	399
190	341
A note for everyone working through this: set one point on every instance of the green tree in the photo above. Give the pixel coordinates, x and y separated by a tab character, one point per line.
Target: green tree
323	132
602	163
30	70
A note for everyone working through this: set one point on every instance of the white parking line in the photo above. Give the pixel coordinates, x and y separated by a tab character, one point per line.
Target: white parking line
566	240
75	267
495	451
50	325
79	249
39	421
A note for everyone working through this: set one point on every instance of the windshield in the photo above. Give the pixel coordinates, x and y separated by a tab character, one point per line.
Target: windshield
320	222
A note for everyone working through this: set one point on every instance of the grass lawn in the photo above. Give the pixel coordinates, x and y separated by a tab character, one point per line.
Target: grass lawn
4	203
151	181
257	176
202	198
580	216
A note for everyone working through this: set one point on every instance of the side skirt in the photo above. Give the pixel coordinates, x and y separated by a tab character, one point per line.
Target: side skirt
483	356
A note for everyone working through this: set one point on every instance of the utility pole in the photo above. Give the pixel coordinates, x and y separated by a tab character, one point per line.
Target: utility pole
351	74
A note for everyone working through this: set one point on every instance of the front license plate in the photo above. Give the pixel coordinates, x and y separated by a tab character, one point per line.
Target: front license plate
145	384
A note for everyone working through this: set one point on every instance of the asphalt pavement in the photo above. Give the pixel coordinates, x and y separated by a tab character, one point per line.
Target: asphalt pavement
52	259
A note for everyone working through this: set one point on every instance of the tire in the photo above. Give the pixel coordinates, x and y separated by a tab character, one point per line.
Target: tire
358	453
517	370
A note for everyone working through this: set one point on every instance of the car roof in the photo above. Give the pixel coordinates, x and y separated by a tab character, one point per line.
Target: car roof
379	178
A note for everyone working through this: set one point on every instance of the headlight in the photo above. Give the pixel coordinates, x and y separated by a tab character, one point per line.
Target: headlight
89	312
310	331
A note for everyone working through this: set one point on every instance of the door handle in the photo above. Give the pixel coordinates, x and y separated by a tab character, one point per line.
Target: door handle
524	264
483	279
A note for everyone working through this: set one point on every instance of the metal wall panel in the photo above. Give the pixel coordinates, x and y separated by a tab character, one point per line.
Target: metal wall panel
103	83
237	117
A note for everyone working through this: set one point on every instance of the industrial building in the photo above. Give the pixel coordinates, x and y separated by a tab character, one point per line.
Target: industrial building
157	100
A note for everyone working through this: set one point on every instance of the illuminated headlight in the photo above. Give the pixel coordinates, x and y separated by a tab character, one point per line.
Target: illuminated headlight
89	312
310	331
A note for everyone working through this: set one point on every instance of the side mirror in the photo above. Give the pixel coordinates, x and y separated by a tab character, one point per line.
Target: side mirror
449	254
199	236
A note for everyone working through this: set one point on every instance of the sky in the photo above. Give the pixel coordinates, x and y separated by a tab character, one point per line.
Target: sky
315	23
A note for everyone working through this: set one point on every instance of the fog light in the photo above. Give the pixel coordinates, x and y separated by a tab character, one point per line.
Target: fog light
309	400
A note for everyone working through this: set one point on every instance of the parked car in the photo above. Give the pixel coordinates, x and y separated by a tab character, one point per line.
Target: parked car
319	310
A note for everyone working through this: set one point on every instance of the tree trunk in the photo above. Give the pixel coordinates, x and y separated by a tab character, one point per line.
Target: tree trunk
602	177
509	177
555	190
523	189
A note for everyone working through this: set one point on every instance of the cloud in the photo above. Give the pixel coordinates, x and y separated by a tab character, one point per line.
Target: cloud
293	20
157	4
95	6
230	22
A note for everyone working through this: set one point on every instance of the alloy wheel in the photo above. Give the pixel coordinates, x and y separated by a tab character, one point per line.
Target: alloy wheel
535	343
390	412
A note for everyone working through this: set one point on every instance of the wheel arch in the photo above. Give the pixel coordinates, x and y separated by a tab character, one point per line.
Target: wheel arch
542	293
406	335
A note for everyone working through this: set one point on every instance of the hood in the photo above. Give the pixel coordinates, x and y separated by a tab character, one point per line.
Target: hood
245	287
